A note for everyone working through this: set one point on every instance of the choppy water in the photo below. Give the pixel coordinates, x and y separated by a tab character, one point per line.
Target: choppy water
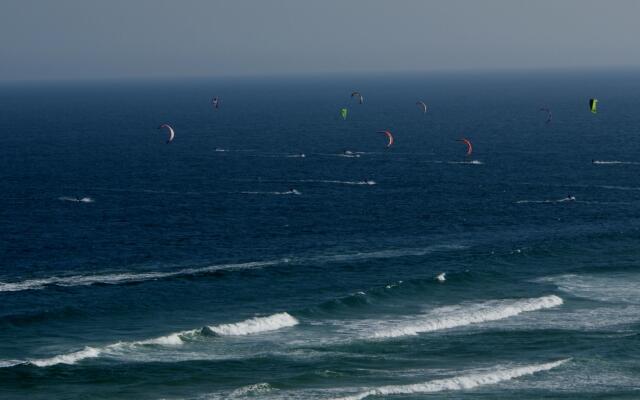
227	265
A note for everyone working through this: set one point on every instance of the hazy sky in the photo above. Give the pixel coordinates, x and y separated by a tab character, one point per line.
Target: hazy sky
51	39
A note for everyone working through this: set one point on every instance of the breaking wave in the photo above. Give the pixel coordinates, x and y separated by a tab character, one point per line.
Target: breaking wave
71	358
256	389
457	316
255	325
248	327
462	382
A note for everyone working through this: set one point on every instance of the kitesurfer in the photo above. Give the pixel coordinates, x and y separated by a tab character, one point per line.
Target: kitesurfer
389	137
170	131
358	96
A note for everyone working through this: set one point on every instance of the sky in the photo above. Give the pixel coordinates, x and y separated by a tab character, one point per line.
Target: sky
100	39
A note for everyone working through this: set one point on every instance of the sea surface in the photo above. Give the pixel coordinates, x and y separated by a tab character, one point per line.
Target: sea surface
225	265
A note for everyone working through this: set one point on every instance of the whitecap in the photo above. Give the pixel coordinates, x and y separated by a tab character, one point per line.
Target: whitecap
255	389
255	325
76	199
119	278
247	327
70	358
614	162
458	316
461	382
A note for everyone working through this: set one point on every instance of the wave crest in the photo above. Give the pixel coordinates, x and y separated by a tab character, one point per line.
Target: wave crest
70	358
462	382
255	325
247	327
126	277
475	314
131	277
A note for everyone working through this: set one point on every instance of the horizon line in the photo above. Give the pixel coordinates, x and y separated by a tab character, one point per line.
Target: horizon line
369	72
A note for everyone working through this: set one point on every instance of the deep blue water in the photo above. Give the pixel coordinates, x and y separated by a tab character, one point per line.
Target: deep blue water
189	272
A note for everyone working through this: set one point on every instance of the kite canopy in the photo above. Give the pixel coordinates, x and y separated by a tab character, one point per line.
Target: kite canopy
358	96
469	145
172	134
215	102
549	114
389	137
343	113
422	106
593	105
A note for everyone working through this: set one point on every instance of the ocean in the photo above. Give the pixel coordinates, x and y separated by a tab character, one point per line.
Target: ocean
228	265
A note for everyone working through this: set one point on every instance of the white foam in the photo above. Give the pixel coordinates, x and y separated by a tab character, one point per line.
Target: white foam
70	358
83	280
615	162
612	288
472	162
255	325
562	200
393	285
255	389
614	319
126	277
618	187
10	363
381	254
175	339
441	277
457	316
250	326
288	192
462	382
77	199
366	182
